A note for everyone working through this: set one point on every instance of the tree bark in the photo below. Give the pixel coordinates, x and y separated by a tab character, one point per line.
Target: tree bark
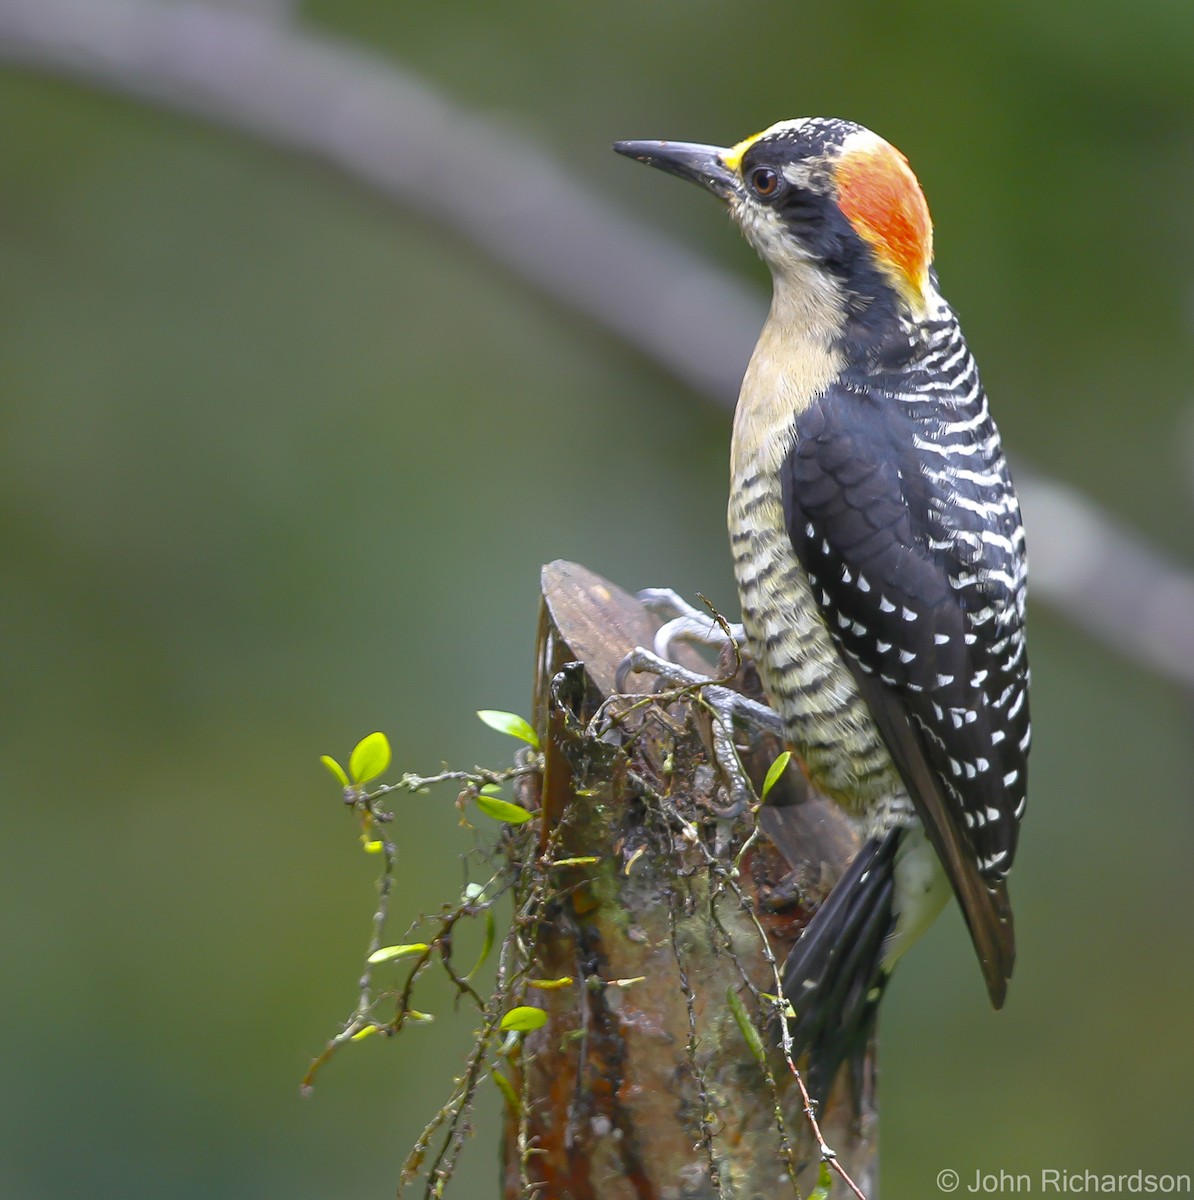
645	1082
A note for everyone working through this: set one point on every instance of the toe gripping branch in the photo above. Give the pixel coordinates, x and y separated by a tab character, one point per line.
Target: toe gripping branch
685	623
689	624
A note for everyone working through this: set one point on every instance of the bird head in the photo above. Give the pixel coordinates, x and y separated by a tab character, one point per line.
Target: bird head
817	193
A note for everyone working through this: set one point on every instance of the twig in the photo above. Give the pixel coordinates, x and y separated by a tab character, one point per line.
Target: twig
827	1155
478	777
441	943
707	1114
360	1018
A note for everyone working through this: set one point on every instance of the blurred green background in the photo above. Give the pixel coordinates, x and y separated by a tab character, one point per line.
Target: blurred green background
279	464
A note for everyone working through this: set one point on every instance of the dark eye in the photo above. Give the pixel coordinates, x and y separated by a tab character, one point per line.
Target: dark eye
764	181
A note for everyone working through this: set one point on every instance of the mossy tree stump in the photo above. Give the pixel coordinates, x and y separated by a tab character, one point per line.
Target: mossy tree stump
645	1081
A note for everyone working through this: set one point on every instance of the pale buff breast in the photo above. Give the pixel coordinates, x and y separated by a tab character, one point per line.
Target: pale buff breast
827	722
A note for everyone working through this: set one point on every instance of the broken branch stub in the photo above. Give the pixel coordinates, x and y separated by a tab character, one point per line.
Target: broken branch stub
659	1071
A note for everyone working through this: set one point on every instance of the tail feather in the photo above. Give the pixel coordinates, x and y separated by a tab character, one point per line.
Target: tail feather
833	978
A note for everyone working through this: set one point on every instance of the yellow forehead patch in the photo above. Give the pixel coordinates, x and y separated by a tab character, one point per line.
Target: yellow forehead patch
733	156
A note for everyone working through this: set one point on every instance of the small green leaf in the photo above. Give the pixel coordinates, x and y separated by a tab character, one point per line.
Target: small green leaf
487	945
490	789
550	985
386	953
510	723
413	1014
776	769
362	1034
824	1183
502	810
582	860
524	1018
507	1089
371	847
336	769
745	1025
370	758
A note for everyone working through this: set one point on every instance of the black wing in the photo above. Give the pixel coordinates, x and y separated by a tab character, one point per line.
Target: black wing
903	515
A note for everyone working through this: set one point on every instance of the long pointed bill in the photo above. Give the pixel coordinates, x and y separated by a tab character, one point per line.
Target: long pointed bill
690	160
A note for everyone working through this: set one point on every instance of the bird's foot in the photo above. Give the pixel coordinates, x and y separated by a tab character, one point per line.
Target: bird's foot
686	623
725	706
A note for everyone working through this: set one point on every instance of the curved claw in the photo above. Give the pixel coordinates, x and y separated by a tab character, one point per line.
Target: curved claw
742	794
685	622
699	628
627	667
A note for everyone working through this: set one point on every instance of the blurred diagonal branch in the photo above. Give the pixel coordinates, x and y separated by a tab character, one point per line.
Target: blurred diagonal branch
252	70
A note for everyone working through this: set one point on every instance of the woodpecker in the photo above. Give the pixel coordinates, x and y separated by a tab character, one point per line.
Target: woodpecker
880	560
